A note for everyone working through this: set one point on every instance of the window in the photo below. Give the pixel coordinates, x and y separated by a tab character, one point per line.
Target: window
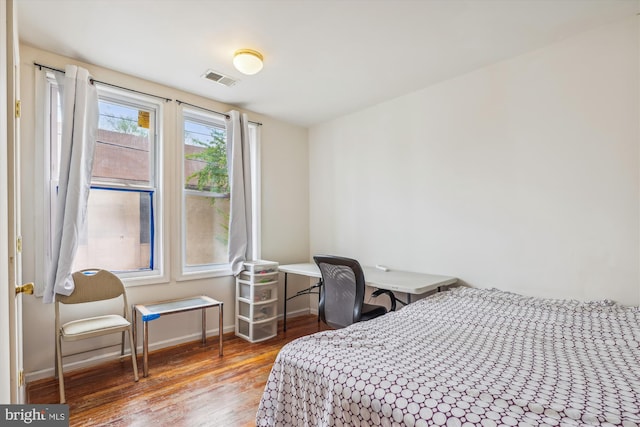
205	193
122	222
128	216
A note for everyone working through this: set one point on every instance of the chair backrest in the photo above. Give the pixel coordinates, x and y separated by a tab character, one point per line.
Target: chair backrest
94	285
342	293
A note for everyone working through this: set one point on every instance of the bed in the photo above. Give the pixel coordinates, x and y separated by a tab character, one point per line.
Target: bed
465	357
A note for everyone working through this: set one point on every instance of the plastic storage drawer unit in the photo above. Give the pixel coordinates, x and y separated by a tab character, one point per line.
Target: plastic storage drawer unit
257	301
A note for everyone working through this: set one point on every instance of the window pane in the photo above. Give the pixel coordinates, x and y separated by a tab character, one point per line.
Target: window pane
207	230
205	157
206	192
123	145
118	234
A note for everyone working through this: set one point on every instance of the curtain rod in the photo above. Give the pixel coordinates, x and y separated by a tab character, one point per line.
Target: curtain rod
93	81
226	116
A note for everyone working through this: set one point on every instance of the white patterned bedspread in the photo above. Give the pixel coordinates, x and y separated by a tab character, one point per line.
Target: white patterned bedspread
465	357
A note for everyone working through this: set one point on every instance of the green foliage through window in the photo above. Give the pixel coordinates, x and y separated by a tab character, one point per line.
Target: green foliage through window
212	176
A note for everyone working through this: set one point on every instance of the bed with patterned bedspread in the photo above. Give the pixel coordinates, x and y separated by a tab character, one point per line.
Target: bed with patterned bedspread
465	357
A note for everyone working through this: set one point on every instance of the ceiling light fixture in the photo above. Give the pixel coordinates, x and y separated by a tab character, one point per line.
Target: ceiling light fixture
247	61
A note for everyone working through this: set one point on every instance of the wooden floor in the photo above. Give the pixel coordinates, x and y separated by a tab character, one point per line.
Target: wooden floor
188	385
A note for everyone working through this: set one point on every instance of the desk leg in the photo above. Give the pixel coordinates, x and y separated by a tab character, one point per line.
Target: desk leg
204	325
145	349
220	329
408	298
284	315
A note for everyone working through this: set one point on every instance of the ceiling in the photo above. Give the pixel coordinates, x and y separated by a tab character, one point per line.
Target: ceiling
323	58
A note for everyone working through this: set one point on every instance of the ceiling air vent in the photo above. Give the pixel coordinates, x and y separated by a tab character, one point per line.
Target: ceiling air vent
219	78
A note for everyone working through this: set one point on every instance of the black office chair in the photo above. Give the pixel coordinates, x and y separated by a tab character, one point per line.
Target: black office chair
342	292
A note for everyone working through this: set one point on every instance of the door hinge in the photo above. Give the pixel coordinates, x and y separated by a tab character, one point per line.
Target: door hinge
17	109
19	245
21	378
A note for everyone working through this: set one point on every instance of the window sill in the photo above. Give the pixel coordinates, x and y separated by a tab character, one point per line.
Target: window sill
194	275
144	278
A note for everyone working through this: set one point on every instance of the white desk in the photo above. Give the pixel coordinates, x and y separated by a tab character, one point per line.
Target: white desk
394	280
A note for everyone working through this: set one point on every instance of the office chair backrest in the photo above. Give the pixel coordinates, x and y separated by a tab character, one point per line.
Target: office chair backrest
342	293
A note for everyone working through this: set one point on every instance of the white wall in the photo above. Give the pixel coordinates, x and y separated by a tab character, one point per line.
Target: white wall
522	175
285	216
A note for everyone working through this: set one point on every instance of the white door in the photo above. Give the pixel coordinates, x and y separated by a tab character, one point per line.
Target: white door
13	207
6	298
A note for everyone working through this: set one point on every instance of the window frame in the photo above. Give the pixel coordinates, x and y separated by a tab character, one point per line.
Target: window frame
158	273
256	185
204	270
168	178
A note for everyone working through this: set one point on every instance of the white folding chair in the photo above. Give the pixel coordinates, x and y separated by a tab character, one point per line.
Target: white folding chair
90	286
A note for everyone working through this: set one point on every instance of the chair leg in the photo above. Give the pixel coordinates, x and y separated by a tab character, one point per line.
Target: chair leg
122	346
59	366
55	360
134	359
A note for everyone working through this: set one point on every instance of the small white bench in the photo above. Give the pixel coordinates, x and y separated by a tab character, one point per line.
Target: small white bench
152	311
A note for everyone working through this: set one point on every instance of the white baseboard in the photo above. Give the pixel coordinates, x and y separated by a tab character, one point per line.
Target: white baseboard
114	355
300	312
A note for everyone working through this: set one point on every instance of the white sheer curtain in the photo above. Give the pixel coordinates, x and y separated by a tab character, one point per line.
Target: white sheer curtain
239	165
79	124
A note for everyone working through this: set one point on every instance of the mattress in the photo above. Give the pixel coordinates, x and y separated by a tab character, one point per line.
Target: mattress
465	357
